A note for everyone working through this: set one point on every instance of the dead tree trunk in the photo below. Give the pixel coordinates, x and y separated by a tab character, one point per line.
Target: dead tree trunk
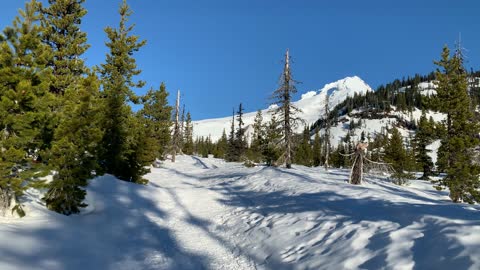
176	130
356	174
286	110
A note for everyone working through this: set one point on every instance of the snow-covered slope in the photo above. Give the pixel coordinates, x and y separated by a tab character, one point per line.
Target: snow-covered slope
374	126
207	214
311	103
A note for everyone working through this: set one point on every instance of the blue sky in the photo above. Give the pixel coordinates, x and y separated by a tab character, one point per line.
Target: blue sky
221	53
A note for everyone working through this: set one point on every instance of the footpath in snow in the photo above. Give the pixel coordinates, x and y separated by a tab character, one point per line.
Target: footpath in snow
206	214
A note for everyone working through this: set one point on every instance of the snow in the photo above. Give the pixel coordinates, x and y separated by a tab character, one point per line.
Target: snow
203	213
375	126
434	146
311	103
427	88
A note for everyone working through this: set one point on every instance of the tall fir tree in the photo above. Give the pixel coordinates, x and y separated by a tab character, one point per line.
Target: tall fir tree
117	73
188	134
23	104
240	140
221	146
157	114
286	110
457	148
422	140
74	152
231	156
395	152
61	31
273	136
258	138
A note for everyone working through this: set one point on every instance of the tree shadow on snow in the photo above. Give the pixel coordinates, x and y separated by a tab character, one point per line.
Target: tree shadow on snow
120	233
433	249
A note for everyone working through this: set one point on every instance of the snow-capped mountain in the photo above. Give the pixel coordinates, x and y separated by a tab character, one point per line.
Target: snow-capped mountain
311	103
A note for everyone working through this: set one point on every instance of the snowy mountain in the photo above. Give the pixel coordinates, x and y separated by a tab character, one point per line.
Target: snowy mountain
311	103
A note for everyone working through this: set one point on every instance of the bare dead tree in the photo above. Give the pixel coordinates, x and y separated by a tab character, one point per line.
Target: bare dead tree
286	111
176	129
356	174
361	165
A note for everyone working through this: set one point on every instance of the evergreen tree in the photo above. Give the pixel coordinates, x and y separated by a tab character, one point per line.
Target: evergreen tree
188	134
271	151
303	153
396	155
461	131
240	142
286	111
61	31
258	138
362	136
23	104
119	153
74	150
422	140
231	150
222	146
317	149
157	114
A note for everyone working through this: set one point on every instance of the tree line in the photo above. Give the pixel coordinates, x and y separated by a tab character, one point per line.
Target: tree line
59	116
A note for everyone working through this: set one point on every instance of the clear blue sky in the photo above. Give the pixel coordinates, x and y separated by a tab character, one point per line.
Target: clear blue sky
221	53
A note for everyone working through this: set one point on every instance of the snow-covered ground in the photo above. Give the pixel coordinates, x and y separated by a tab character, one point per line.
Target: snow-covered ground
206	214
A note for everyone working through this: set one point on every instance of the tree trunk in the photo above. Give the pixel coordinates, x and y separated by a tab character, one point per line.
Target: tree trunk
8	202
356	174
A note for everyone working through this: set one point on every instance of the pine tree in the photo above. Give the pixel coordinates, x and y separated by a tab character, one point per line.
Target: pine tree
362	136
23	104
119	153
271	151
231	155
61	31
286	111
422	140
303	153
258	138
74	151
240	143
221	146
157	114
317	149
188	134
460	139
396	155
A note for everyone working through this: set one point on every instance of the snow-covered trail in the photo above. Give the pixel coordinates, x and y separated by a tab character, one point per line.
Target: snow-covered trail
168	224
195	212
